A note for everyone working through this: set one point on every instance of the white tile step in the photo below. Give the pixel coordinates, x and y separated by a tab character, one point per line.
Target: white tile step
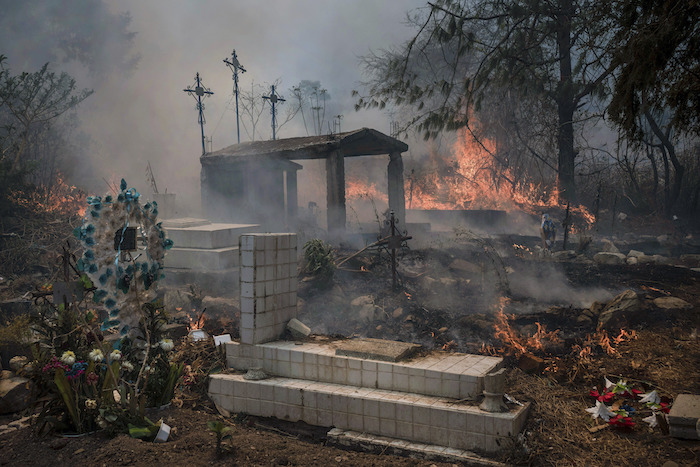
442	374
423	419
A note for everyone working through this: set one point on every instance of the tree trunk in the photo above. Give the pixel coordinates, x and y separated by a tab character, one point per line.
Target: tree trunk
678	168
566	106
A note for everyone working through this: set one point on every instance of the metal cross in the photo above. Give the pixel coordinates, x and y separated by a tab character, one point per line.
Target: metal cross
274	99
198	92
235	67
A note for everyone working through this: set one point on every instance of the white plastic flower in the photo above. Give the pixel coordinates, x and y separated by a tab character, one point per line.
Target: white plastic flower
167	344
127	366
90	404
68	357
115	355
96	355
600	410
650	397
651	420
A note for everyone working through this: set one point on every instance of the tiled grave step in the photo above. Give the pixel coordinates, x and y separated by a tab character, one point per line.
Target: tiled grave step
222	282
459	376
400	447
423	419
199	258
214	235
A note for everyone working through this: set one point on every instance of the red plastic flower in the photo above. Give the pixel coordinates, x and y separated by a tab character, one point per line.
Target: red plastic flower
620	421
605	397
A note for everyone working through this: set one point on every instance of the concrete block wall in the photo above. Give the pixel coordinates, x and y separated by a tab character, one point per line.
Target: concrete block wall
425	419
458	376
268	285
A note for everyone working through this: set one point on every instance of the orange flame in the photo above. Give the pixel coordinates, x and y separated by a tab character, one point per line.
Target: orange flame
197	323
356	189
601	339
513	342
58	198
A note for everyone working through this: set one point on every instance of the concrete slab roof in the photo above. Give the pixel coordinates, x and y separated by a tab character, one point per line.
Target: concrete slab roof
362	142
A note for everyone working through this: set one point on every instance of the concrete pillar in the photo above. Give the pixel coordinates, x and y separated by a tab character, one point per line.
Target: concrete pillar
292	199
268	285
397	198
335	194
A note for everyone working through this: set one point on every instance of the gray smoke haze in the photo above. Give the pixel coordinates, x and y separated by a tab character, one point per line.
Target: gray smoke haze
142	114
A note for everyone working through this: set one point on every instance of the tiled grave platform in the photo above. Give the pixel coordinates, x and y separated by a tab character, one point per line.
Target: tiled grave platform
204	253
458	376
425	419
421	400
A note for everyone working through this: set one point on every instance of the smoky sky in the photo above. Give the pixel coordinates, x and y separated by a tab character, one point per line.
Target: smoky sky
139	114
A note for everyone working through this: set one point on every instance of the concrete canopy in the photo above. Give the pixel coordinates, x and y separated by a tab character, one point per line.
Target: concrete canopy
332	148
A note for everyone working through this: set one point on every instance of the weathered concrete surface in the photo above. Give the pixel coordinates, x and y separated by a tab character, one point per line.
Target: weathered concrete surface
376	349
684	416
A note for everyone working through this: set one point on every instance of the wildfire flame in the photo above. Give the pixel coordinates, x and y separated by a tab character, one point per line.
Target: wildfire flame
196	323
600	338
56	198
472	179
515	344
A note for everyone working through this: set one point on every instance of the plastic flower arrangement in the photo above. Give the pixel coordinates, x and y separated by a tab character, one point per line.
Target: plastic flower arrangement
98	382
123	282
624	397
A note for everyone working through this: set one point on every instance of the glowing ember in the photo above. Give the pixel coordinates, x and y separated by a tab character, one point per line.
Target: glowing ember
57	198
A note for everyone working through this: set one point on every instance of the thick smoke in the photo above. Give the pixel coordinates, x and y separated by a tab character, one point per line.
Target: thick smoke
139	56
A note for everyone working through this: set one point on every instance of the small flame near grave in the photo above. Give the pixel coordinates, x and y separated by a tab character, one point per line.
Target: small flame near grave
196	326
